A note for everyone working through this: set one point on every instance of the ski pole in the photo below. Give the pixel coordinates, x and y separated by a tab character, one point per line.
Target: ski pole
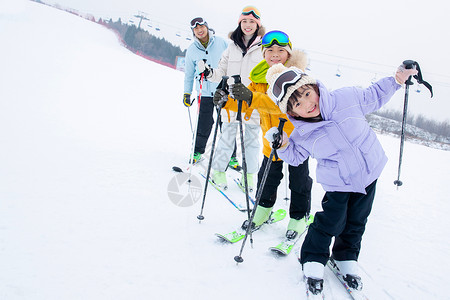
223	86
275	145
194	139
190	120
237	79
408	64
286	198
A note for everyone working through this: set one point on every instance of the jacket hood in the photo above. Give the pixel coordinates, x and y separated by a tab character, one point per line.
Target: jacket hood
297	59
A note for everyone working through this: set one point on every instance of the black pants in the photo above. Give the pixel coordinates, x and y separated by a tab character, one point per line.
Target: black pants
299	183
205	123
344	216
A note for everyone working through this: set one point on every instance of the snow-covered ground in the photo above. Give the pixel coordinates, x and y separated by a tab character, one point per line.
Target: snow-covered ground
89	133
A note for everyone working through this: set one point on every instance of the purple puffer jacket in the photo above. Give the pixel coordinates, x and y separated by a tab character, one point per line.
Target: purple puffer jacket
348	153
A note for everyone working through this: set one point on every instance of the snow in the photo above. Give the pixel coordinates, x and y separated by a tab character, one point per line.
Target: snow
89	134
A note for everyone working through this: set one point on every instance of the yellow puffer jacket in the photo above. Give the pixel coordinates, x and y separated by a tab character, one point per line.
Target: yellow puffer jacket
269	112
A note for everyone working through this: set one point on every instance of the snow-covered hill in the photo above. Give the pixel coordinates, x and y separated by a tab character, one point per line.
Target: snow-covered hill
413	134
89	133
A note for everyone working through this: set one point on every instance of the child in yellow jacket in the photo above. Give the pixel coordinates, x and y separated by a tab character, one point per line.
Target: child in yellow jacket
276	48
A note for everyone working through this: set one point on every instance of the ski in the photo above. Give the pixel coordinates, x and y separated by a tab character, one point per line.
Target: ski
239	206
286	246
355	294
238	234
186	169
242	188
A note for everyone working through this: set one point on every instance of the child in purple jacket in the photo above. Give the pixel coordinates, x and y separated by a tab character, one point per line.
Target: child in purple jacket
331	127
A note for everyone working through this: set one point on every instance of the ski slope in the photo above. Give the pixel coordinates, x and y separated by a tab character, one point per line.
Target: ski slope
89	133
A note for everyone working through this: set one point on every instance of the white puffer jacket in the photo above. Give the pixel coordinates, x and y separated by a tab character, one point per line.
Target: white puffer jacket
232	63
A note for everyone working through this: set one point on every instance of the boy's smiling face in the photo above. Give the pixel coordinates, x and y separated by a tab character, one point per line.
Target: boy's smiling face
276	55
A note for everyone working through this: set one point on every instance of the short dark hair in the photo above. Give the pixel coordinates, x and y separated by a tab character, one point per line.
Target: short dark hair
296	95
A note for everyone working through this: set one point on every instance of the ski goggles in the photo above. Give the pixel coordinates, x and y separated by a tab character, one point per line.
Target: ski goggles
275	37
197	21
285	80
251	10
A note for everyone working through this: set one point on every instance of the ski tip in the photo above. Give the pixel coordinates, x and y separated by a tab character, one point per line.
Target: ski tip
238	259
177	169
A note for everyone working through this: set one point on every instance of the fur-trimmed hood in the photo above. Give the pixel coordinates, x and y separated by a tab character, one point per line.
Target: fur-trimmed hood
298	59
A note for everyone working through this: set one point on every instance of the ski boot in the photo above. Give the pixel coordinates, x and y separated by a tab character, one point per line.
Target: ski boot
220	179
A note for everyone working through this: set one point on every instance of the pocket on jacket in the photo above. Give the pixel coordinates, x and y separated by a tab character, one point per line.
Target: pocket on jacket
371	152
329	173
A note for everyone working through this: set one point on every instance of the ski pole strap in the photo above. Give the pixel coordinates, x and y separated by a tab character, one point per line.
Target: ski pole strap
409	65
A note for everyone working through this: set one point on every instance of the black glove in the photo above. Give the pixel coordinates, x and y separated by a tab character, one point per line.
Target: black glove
187	99
220	98
242	93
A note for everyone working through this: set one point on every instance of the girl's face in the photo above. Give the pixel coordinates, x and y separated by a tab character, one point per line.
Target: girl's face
307	104
248	26
275	55
201	32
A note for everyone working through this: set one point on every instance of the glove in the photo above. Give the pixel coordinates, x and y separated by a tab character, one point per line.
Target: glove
276	141
403	74
203	68
220	98
187	99
241	92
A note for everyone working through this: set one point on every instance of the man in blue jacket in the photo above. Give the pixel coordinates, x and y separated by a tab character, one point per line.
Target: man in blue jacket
210	47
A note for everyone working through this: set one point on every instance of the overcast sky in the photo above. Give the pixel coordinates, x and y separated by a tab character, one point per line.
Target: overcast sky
382	32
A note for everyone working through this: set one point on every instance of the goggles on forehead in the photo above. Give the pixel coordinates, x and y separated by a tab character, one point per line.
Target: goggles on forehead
275	37
251	10
197	21
285	80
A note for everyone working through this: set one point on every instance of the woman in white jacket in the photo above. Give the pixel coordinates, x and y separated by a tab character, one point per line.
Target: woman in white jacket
239	58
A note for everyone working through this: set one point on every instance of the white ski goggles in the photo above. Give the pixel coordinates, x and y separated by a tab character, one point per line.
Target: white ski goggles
285	80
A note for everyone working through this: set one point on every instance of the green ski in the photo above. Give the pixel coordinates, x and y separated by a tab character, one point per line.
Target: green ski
286	246
238	234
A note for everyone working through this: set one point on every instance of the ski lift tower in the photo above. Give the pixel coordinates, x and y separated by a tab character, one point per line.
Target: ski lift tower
141	16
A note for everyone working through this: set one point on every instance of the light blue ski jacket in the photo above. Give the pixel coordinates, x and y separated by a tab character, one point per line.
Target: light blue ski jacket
212	53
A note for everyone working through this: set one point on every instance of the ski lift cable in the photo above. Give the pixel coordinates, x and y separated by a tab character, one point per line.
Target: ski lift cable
182	28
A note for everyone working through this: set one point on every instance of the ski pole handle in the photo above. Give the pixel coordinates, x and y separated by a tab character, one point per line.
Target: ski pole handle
277	141
409	64
281	124
223	85
237	78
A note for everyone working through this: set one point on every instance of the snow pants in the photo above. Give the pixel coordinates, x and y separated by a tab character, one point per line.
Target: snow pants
300	185
227	144
205	123
344	216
